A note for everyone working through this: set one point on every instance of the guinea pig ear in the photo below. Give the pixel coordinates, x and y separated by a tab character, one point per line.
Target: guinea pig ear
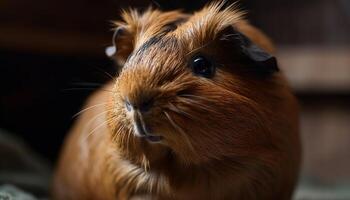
136	27
261	61
122	45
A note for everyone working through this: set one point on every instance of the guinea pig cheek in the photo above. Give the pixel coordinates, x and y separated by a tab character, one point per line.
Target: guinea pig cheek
178	139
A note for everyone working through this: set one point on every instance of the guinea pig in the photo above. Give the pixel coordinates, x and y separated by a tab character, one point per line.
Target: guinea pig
199	110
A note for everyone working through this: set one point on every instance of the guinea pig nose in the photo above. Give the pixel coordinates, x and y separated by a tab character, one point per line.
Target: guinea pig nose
143	106
128	105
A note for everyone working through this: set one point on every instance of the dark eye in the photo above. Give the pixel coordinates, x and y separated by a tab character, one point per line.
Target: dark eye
201	66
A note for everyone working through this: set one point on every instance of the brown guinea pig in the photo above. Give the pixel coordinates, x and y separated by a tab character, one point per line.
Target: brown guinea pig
199	110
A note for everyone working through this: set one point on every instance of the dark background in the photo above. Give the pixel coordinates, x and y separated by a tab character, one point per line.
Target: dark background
50	50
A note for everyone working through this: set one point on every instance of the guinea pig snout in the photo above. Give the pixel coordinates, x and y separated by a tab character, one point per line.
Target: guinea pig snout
140	107
141	127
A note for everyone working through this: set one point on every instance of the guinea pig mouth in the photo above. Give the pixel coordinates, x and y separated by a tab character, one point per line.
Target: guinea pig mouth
141	130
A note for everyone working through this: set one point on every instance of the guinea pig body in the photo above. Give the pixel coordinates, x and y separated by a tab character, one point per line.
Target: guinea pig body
198	111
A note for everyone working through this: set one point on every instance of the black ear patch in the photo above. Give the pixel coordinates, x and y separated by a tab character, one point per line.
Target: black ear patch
171	26
256	58
261	58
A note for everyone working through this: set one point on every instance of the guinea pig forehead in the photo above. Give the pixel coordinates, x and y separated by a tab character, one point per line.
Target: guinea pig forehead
203	26
155	47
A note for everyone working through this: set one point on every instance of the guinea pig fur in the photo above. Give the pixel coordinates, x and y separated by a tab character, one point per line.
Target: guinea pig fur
199	110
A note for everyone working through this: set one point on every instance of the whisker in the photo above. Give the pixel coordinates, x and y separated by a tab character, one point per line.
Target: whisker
155	3
173	123
127	140
97	116
97	127
106	73
91	89
204	107
116	133
88	108
179	111
194	96
179	129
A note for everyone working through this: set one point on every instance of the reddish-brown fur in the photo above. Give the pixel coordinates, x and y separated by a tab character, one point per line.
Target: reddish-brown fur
230	137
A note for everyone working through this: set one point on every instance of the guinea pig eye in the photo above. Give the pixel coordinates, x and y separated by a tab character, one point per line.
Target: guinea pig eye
201	66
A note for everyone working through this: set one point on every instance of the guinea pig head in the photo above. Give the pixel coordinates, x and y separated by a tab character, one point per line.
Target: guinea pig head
196	88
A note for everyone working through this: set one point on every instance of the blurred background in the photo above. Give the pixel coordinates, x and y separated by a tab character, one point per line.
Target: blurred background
49	48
